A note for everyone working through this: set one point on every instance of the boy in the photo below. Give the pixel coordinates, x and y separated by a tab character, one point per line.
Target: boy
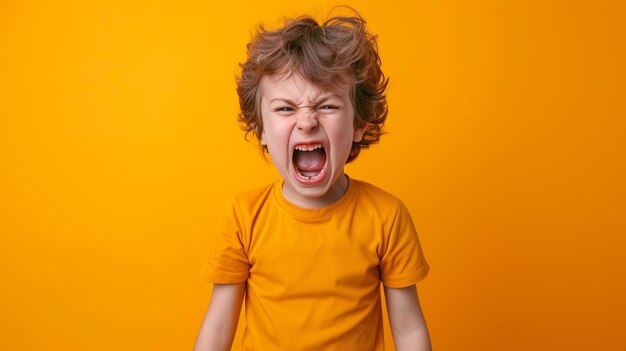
308	254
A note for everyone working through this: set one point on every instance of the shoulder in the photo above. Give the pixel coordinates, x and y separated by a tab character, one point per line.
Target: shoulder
250	201
239	211
378	203
255	194
369	193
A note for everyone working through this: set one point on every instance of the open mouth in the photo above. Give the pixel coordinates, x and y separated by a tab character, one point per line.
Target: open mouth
309	161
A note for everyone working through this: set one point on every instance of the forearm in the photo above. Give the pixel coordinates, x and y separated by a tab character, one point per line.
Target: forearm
213	338
220	322
406	319
415	340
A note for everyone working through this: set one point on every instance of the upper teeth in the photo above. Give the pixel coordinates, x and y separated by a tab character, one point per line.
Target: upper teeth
308	147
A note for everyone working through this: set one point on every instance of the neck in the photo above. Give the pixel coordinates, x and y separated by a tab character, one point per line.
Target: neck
334	194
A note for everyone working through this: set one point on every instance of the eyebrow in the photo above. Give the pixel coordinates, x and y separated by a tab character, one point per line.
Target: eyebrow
291	102
323	99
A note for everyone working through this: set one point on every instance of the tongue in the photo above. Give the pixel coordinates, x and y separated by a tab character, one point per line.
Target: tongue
310	161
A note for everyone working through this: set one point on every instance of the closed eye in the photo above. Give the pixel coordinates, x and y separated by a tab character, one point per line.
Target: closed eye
284	109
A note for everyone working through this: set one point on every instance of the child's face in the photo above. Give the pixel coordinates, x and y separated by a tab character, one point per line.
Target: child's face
308	132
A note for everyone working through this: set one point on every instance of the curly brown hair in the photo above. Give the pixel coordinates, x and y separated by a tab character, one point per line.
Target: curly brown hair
338	49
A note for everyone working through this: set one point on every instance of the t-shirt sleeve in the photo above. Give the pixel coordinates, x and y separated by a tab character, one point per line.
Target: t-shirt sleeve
403	263
227	261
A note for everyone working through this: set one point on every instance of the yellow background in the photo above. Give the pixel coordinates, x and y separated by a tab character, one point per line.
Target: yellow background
118	142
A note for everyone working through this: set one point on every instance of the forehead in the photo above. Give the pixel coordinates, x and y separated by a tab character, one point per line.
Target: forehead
296	88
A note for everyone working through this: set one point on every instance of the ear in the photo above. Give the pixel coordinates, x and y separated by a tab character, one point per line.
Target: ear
358	132
261	137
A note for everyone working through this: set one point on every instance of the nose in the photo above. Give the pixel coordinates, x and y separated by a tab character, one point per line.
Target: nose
307	121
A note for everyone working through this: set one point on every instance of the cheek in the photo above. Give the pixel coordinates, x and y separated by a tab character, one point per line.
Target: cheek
342	141
276	137
269	132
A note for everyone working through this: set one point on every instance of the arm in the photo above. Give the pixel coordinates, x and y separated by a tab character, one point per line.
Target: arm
408	326
220	323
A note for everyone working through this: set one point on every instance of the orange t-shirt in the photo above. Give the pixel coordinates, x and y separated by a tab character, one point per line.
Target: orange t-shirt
313	275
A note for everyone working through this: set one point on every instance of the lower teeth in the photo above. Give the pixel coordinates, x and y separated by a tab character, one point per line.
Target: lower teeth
305	177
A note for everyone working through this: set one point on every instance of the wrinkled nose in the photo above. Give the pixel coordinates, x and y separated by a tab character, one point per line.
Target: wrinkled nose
307	122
